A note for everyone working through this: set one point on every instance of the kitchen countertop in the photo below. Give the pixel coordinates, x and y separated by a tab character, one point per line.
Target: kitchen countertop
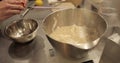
40	50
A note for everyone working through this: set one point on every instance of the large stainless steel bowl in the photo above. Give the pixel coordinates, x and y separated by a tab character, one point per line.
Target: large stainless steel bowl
22	31
80	17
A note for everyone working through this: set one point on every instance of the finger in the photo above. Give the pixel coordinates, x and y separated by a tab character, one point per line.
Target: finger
13	1
9	14
15	6
24	2
19	2
13	12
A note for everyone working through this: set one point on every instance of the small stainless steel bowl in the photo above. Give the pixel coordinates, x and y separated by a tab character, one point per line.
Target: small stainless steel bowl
22	31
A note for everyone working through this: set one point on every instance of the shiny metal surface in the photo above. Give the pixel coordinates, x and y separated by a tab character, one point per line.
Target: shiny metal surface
96	26
34	52
22	31
74	2
111	53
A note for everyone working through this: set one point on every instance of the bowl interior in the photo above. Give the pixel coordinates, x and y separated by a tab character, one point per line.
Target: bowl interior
80	17
95	25
21	28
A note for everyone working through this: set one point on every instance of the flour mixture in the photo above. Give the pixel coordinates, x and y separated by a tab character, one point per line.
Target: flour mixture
70	34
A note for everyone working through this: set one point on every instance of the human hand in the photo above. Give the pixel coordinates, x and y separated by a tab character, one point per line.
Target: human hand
9	8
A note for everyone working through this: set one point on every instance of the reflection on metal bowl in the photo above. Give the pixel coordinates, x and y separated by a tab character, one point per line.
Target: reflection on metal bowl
22	31
95	28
